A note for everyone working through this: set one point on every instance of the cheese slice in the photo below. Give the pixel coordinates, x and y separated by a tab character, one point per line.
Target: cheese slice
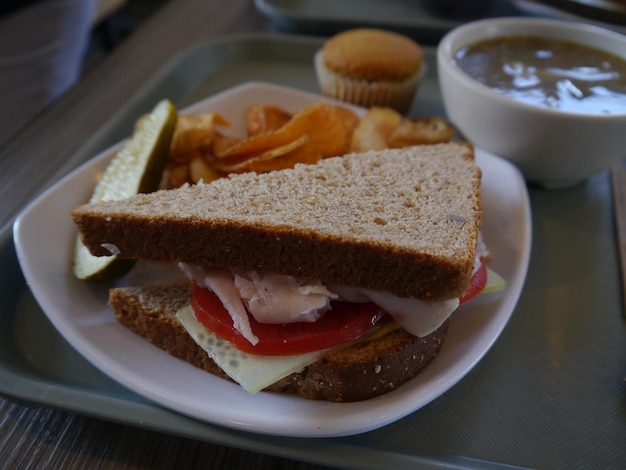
253	372
495	282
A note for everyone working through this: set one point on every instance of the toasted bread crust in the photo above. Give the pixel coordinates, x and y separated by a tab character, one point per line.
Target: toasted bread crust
403	221
359	372
367	369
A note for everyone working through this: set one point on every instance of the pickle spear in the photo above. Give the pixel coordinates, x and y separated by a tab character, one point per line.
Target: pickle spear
136	168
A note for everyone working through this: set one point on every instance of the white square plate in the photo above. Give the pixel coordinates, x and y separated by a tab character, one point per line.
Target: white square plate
44	236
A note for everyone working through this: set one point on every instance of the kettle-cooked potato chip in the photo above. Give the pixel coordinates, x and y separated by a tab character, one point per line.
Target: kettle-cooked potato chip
261	118
248	163
329	129
276	139
423	130
374	129
194	132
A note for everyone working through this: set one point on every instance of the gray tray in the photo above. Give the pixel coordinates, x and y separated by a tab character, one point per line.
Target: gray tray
414	18
608	11
549	394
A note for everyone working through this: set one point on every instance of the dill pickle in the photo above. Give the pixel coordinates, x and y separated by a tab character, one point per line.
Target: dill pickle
136	168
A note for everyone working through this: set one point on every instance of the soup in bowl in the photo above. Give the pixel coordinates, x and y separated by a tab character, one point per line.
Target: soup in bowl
548	95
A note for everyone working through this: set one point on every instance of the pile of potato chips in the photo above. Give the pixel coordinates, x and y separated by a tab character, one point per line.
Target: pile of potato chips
277	139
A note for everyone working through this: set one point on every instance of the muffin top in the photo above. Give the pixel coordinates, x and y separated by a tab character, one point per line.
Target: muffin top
372	54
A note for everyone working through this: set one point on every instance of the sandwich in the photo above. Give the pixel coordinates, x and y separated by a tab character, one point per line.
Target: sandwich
333	281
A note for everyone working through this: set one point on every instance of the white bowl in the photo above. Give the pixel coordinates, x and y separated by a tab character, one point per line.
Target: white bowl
553	148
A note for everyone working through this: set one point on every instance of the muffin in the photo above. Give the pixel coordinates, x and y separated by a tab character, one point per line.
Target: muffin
370	67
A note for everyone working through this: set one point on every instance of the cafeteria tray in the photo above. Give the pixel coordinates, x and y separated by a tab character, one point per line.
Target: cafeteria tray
605	14
549	394
411	17
606	11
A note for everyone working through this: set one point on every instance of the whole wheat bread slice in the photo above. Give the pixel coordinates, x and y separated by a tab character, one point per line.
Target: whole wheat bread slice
402	220
361	371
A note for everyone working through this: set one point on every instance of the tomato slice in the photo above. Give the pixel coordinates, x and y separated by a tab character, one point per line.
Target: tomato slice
345	322
477	283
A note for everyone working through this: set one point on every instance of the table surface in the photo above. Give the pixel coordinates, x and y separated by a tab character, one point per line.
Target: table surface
34	436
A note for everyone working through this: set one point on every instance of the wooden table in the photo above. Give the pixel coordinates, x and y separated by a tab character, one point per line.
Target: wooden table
40	437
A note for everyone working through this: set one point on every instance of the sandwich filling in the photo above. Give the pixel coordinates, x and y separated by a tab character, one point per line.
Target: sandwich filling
261	327
281	299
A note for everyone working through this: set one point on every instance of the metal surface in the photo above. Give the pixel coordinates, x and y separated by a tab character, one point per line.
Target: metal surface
608	11
419	19
549	394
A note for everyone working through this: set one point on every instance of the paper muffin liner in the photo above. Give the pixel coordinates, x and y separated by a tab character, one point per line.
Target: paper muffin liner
395	94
